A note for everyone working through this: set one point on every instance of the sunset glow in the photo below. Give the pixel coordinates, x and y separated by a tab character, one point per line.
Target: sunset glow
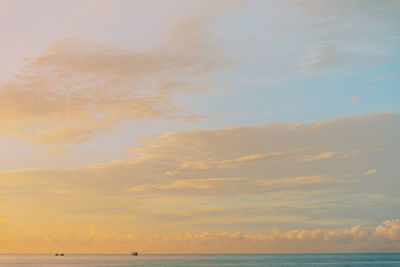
199	126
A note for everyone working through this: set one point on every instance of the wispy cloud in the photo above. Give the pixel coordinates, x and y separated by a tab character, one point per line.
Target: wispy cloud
78	89
323	43
390	75
218	187
370	172
261	169
354	99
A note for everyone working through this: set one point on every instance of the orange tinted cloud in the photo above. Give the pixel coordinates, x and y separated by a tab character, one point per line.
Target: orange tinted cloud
77	89
370	172
174	184
93	240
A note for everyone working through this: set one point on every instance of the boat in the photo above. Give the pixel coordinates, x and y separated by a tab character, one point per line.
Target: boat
56	254
62	254
134	253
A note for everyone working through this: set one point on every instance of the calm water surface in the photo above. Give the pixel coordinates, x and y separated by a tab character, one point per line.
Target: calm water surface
385	259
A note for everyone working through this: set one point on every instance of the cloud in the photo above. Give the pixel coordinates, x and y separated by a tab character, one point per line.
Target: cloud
225	186
55	150
354	99
208	183
326	155
370	172
233	163
296	181
355	233
390	75
251	160
77	89
345	240
389	229
354	239
321	43
248	179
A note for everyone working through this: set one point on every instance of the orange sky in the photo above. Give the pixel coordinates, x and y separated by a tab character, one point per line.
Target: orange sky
198	127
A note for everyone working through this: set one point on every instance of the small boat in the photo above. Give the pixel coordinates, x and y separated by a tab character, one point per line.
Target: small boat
134	253
62	254
56	254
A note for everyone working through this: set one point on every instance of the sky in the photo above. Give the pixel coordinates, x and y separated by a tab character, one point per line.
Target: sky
225	126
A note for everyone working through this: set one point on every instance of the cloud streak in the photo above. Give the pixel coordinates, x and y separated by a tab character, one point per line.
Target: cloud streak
246	179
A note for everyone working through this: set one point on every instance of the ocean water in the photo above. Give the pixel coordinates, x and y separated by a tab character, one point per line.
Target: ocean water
379	259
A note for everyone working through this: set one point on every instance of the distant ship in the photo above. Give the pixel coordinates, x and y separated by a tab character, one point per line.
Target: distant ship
134	253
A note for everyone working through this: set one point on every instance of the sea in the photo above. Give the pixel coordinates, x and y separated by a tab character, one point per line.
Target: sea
370	259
